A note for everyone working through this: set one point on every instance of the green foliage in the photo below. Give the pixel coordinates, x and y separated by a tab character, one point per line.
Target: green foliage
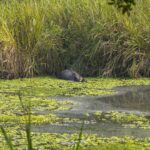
44	37
124	5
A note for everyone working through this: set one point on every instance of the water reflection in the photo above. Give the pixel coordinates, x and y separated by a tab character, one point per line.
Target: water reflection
135	99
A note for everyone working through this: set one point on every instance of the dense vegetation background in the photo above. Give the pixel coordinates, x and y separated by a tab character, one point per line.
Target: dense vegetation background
43	37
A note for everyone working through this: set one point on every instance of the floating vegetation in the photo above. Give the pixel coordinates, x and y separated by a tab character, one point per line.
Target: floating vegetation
38	92
44	141
50	86
126	119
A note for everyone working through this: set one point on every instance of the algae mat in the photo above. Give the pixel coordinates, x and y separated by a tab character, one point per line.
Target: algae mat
49	113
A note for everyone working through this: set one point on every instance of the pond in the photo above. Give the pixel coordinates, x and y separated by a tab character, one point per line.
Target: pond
125	113
115	113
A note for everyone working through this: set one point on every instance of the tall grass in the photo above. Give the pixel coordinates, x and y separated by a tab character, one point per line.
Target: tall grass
43	37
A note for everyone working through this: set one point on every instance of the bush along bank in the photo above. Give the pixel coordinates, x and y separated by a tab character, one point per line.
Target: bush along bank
44	37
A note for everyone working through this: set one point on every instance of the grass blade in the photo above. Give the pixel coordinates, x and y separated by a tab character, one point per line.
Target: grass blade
27	111
7	139
80	137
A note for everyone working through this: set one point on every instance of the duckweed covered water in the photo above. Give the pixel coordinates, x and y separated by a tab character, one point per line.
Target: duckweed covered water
119	120
50	86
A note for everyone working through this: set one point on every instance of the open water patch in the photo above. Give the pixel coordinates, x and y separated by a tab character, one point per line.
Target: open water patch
125	113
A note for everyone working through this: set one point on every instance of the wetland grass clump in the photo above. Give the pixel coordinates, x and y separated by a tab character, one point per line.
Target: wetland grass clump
43	37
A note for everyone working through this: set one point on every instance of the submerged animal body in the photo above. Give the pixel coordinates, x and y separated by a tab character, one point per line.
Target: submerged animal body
71	75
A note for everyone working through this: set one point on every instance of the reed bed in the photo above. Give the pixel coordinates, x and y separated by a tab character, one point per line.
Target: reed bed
43	37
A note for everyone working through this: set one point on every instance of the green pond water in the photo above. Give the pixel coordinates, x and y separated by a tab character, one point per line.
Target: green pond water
115	113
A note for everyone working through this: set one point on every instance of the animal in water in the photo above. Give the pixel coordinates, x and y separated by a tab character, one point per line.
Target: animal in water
71	75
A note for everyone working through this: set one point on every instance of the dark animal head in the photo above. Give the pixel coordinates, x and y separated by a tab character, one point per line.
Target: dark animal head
78	77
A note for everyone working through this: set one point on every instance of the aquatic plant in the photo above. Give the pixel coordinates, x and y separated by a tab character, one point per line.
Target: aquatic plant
126	119
51	86
34	93
45	141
